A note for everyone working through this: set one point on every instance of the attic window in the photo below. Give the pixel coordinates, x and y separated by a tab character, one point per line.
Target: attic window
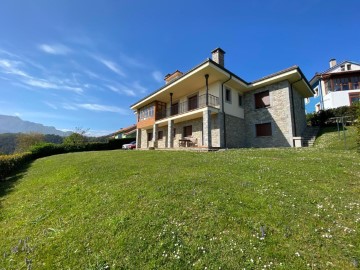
348	66
343	68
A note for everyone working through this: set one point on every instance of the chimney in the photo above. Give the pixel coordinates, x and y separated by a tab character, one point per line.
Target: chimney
332	62
217	56
172	76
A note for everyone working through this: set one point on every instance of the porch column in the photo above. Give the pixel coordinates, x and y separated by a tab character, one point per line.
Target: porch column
207	128
220	121
155	135
138	138
170	139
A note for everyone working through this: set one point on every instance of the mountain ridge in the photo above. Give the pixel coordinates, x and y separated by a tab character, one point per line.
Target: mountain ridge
14	124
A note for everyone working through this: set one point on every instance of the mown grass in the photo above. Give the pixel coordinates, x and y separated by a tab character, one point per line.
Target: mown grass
334	139
241	209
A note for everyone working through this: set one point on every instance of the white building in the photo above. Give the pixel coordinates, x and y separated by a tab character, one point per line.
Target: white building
338	86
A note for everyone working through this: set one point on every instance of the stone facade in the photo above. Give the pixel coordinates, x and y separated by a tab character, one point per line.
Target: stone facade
197	131
278	114
235	132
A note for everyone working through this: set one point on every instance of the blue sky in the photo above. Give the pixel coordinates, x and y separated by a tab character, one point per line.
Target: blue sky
77	63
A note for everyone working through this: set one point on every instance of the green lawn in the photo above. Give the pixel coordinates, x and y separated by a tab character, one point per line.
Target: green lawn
240	209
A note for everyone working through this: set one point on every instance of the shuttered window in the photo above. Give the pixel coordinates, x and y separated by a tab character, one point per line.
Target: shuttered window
187	131
262	100
263	130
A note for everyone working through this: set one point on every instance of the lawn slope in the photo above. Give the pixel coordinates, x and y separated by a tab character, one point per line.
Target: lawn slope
252	209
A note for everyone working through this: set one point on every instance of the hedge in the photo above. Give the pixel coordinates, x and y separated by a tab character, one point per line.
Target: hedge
10	163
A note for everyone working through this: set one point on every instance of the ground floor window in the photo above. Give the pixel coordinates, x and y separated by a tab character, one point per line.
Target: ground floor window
263	130
160	135
187	131
150	136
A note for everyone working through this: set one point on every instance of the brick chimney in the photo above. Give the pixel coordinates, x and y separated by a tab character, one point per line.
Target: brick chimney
332	62
172	76
217	56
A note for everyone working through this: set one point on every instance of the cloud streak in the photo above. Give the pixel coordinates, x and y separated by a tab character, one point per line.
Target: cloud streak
55	49
110	65
102	108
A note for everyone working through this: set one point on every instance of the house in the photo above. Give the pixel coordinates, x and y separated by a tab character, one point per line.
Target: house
335	87
127	132
211	107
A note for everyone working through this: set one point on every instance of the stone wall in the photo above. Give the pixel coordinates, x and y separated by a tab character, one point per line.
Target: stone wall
144	141
235	131
299	111
278	114
196	130
161	143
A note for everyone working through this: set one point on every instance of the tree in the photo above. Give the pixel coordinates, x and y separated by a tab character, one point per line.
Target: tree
77	137
25	141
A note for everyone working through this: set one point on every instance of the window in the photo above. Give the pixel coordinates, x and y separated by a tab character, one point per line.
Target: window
240	100
175	108
146	112
263	130
343	68
228	95
354	97
262	100
160	134
348	66
149	136
192	102
174	132
316	90
187	131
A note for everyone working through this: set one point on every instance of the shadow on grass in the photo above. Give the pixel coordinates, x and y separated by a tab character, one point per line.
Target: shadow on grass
7	184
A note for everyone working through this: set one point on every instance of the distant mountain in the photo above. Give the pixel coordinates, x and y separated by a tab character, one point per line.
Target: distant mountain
13	124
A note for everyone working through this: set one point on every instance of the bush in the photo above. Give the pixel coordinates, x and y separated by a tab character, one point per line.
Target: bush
11	163
322	118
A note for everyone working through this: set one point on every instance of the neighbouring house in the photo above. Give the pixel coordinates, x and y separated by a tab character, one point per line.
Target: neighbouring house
124	133
211	107
335	87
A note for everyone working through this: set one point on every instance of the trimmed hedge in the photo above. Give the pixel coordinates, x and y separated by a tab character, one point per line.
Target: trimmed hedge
10	163
321	118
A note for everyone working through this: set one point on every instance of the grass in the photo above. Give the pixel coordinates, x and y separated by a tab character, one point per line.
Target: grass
240	209
331	138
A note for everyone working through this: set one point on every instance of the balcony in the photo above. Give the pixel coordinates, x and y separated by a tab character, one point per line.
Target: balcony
193	103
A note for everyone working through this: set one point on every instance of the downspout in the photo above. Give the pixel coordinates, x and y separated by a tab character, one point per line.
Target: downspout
292	105
222	107
321	94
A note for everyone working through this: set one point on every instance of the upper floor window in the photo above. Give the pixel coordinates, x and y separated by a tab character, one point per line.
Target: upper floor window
348	66
228	95
262	100
146	112
193	102
240	100
342	68
316	90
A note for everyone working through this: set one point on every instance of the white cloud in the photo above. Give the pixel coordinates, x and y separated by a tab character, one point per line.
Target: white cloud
122	89
69	107
50	85
11	67
110	65
53	106
56	49
102	108
157	75
130	61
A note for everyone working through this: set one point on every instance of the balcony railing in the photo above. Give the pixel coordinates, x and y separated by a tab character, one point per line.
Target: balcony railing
189	105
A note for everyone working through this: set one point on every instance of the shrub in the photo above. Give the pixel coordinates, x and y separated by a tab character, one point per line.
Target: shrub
11	163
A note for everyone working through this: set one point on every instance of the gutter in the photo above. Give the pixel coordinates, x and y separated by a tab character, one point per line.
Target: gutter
222	107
